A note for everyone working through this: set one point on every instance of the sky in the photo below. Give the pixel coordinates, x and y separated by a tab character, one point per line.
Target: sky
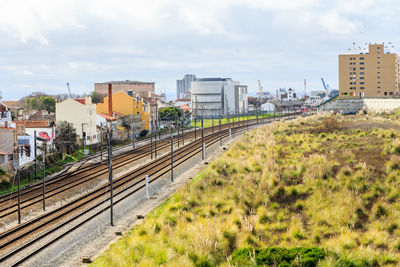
47	43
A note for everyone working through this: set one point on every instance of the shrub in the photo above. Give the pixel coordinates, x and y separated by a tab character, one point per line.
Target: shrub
299	256
329	124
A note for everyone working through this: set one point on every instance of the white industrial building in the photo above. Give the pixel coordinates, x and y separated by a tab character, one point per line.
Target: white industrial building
214	96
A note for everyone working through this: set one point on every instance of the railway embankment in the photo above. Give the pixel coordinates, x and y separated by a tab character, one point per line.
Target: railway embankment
314	191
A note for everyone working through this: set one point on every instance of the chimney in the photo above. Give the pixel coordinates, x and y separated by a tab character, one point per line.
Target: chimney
110	112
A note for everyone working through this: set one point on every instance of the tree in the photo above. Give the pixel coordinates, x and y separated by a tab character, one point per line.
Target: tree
65	137
48	103
170	113
31	103
96	97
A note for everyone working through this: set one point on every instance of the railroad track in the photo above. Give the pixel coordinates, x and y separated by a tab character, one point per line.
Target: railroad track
58	185
54	187
16	240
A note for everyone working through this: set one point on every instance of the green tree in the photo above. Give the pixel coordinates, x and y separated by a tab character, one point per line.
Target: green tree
32	103
65	137
170	113
48	103
96	97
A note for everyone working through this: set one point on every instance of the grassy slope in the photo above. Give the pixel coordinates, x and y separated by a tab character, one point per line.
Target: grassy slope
288	185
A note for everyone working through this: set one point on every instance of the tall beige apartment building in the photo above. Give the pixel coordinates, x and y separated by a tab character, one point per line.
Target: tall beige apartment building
372	72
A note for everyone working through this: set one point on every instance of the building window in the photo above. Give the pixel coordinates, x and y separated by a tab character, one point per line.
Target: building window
361	78
390	93
378	77
361	82
385	93
361	63
361	88
361	68
379	82
379	62
362	73
361	58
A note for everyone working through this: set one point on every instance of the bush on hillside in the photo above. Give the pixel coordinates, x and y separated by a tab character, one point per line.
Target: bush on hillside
329	125
299	256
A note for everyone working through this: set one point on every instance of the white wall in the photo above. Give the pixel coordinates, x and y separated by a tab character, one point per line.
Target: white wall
380	104
77	113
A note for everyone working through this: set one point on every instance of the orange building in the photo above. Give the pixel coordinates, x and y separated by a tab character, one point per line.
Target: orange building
124	104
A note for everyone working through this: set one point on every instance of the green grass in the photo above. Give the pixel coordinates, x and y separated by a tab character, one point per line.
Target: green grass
323	184
210	122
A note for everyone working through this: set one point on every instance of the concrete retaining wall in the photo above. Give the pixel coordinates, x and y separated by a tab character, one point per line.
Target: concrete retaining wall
381	105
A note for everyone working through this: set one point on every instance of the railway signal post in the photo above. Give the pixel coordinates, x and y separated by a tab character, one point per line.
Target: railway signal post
110	176
151	143
43	181
19	197
172	157
34	138
203	154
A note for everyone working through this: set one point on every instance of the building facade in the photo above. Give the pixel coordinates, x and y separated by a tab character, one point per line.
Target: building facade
183	87
128	87
7	148
372	72
214	96
81	113
126	105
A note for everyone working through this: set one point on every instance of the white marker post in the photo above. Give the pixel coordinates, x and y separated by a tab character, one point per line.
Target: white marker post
147	186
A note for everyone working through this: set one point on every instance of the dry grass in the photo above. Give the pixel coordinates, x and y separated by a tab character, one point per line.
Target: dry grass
286	185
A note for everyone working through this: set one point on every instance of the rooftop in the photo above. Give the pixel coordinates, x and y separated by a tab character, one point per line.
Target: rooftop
212	79
126	82
107	117
80	100
33	124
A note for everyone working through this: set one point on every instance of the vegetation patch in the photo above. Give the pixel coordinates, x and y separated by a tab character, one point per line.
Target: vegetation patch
316	191
278	256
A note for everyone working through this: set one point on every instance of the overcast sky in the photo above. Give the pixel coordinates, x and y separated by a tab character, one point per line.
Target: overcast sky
47	43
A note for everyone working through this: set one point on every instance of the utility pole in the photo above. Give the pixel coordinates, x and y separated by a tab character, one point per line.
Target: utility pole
220	132
177	129
172	157
43	181
183	128
110	175
202	140
18	175
19	196
84	139
133	136
35	153
151	141
101	140
233	128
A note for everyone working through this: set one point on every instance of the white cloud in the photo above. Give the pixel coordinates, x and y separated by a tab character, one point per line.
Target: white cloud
46	42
